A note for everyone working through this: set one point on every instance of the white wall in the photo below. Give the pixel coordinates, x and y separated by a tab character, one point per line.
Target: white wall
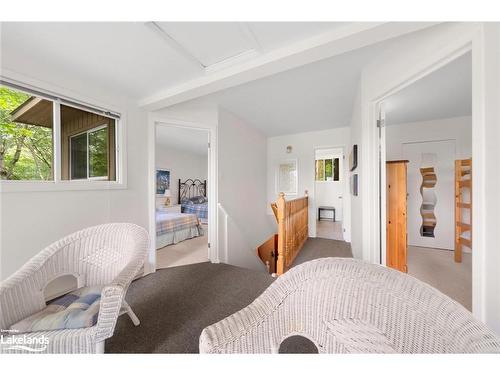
491	176
357	212
409	141
242	189
32	220
303	149
182	164
457	128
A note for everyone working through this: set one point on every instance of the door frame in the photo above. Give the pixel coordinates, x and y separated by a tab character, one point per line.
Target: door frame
374	232
344	181
153	122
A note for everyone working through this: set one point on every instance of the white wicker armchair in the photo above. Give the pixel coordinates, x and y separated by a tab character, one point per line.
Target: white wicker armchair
348	306
109	254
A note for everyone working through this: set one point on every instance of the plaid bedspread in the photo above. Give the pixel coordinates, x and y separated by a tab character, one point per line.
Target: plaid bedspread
200	210
167	222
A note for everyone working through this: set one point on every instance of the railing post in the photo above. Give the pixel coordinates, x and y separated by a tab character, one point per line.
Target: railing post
280	264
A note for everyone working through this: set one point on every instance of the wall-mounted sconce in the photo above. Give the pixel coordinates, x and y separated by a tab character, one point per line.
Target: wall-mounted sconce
288	149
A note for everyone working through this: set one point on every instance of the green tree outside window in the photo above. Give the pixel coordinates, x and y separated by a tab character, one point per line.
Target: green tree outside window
25	150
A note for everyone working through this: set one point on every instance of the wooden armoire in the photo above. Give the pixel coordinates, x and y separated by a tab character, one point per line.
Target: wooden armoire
397	237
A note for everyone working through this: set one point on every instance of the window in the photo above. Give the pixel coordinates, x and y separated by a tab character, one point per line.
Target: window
26	144
86	138
98	152
327	169
88	145
79	147
89	154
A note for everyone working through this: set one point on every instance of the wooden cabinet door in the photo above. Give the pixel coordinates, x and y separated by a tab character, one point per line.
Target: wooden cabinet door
396	216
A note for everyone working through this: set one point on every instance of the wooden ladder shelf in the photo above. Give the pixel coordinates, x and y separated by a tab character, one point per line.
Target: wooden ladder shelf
463	206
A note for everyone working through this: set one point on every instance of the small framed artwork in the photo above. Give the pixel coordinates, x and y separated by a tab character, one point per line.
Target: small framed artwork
353	158
287	177
162	181
354	184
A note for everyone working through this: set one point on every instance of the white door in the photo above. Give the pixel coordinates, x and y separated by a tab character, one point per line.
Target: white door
441	156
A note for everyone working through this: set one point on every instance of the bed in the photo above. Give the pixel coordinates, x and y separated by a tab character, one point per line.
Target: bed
193	198
172	227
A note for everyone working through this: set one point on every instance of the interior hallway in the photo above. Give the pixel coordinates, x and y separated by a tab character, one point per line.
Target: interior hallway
329	229
438	268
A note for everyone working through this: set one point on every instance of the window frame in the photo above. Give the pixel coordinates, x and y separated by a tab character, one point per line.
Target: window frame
57	184
324	159
87	132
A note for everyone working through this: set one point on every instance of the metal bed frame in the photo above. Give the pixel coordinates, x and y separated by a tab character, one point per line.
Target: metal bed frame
191	188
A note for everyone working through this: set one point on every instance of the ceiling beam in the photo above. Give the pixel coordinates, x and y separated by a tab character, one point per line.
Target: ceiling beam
325	45
165	36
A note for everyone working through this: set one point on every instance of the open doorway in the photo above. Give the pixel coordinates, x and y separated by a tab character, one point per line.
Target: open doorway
329	187
427	147
181	195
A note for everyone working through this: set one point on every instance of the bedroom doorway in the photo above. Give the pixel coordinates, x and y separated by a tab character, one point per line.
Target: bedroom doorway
426	159
181	184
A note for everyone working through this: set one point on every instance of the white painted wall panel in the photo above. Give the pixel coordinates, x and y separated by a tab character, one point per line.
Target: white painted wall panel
242	189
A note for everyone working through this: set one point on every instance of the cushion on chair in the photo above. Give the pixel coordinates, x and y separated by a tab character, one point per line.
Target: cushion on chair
77	309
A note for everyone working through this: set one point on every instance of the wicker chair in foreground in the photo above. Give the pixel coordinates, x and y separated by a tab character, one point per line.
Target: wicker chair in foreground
348	306
109	255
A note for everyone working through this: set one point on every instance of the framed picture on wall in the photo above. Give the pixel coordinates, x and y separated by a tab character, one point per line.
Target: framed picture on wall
287	177
354	184
162	181
353	158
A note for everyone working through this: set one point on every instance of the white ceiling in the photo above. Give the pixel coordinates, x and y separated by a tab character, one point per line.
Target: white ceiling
320	95
316	96
122	57
131	58
445	93
210	43
189	140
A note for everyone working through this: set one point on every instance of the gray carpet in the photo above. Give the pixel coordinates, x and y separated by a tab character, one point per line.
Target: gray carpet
437	267
175	304
316	248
